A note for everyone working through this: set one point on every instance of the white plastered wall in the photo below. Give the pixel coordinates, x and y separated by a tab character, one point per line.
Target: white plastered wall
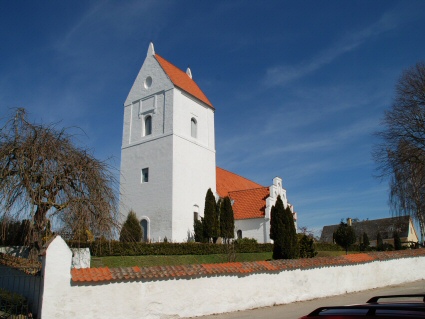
194	163
152	199
257	228
181	297
181	168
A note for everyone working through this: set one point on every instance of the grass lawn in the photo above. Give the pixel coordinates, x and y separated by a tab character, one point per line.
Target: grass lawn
146	261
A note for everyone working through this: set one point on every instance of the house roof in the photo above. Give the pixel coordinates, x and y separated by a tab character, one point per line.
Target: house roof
385	226
249	203
182	80
249	197
229	182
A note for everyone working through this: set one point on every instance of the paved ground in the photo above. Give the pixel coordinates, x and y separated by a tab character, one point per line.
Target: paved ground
298	309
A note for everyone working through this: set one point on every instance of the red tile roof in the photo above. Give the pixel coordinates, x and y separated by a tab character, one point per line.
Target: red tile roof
229	182
249	203
182	80
249	197
237	268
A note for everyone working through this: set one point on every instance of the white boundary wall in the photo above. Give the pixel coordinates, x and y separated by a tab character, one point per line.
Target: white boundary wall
174	298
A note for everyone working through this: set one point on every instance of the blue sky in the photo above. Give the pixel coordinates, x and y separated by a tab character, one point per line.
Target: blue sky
299	87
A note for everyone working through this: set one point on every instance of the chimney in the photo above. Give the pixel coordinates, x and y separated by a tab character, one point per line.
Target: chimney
349	222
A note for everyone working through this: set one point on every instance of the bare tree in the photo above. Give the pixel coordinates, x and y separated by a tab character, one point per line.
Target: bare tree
401	154
43	175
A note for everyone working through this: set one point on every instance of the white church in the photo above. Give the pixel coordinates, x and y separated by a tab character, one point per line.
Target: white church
168	159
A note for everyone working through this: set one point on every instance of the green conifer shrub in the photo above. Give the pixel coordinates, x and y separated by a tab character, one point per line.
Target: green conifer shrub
131	230
283	233
198	229
227	220
306	246
379	242
210	223
397	241
364	242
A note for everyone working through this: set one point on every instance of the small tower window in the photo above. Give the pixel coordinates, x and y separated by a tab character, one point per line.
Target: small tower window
148	125
145	175
193	128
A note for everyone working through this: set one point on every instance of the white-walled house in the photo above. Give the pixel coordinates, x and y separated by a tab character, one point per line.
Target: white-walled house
251	203
168	159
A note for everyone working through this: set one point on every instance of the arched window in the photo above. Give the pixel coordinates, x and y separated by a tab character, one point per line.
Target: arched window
239	233
193	128
148	125
144	224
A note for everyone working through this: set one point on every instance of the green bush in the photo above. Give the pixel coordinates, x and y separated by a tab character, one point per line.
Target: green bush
327	247
13	303
306	246
101	248
246	241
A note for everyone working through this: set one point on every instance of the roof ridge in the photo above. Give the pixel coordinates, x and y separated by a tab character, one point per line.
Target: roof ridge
373	220
241	177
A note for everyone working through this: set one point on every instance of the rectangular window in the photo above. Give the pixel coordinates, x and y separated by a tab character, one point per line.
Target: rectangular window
145	175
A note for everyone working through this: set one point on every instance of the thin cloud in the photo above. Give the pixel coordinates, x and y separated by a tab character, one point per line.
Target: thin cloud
116	20
283	74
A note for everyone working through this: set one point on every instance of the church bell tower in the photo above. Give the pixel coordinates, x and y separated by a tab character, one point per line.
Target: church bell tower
168	150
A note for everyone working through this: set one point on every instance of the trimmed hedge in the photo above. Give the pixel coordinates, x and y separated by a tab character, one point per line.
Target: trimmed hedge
327	247
116	248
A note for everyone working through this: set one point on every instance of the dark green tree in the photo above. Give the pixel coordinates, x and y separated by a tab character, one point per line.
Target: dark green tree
306	246
379	242
283	233
276	229
397	241
227	220
217	219
345	236
211	222
131	230
365	243
291	250
198	230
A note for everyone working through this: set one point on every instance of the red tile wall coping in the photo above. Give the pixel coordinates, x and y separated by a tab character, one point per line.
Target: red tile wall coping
136	273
